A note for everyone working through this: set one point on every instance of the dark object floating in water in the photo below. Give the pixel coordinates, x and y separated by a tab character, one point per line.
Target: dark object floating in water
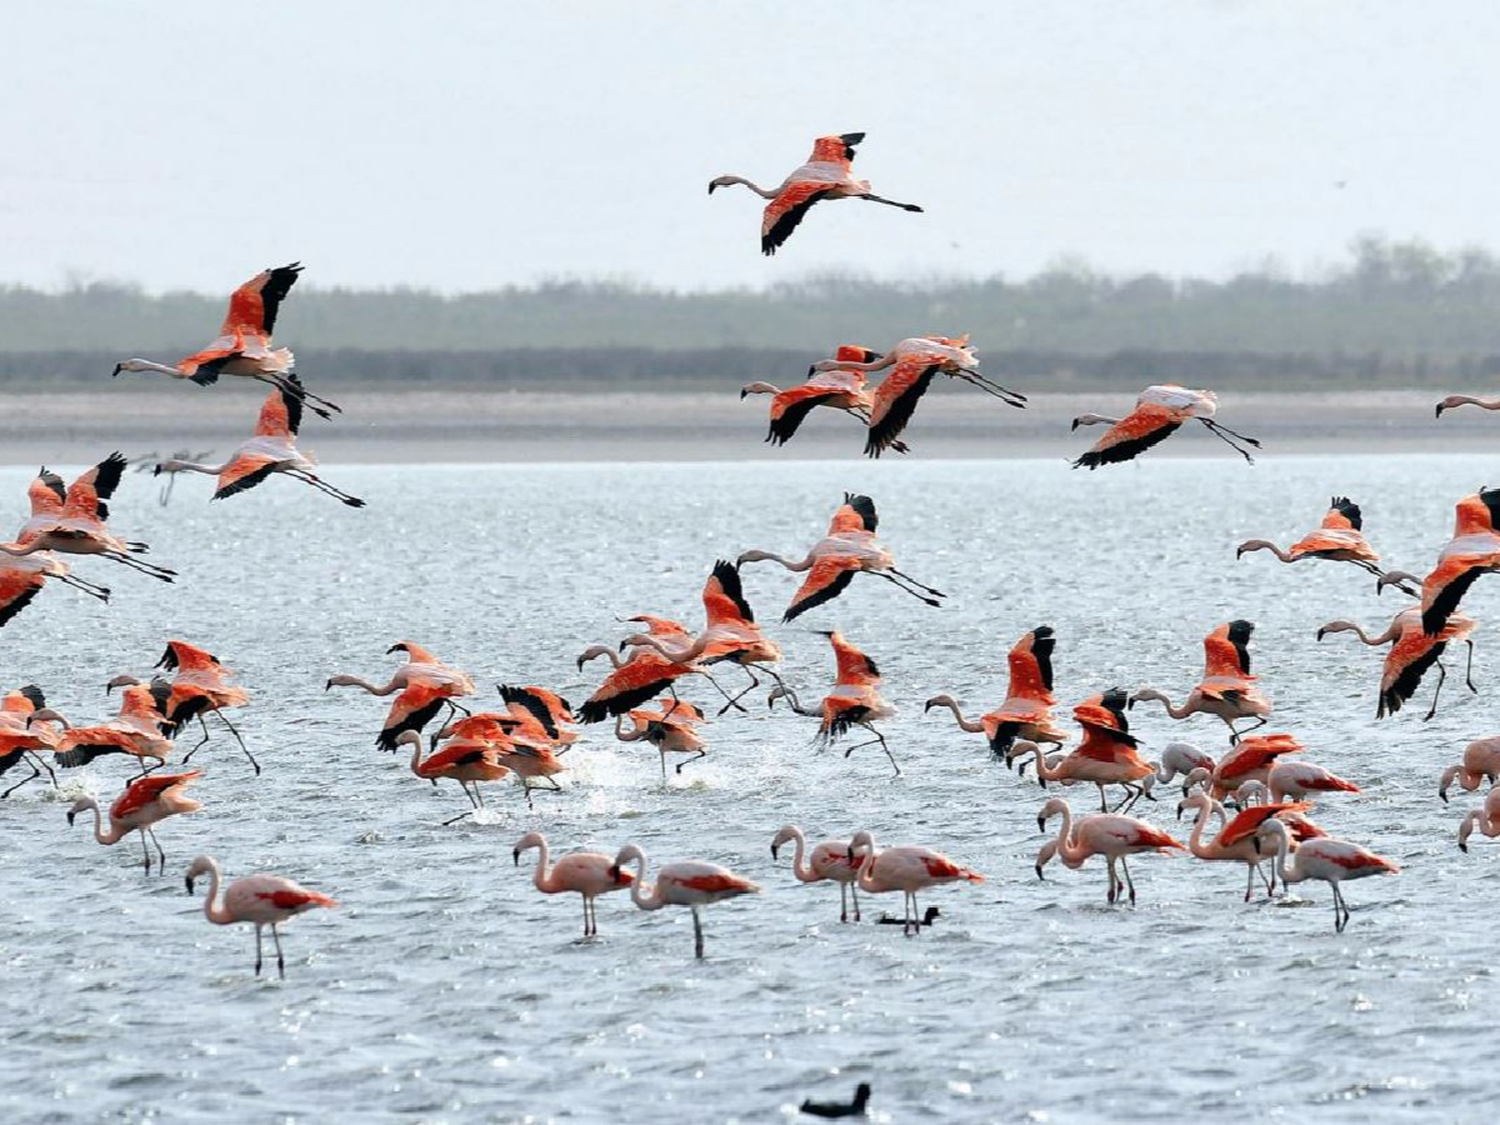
927	918
856	1108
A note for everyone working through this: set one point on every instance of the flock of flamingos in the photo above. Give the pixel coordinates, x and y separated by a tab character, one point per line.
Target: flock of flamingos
1260	789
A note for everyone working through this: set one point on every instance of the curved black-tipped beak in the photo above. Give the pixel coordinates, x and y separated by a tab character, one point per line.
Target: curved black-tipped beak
189	882
1039	874
328	685
156	472
580	664
1443	794
1322	633
614	872
1180	806
624	645
1074	426
743	395
71	815
515	854
1041	824
395	648
926	707
1438	413
121	367
774	854
812	369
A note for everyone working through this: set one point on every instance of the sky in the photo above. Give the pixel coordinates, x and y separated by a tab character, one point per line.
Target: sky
465	145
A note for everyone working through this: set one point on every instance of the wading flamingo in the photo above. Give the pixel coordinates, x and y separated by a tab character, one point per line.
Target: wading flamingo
137	732
670	730
145	801
1473	550
1027	710
273	449
1108	754
1466	400
1412	653
828	862
261	900
1327	859
691	883
1480	764
1159	412
828	174
77	527
1227	689
588	874
1178	759
1250	760
731	635
1114	837
467	761
426	684
849	548
907	869
840	389
243	346
855	700
1300	781
1234	843
1484	820
1340	538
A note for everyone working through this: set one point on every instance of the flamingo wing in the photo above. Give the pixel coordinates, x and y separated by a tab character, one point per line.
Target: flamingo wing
896	400
18	589
1138	431
254	305
724	598
281	414
144	790
46	493
203	366
246	471
412	710
856	513
784	212
791	407
1030	663
86	496
827	579
624	688
1226	651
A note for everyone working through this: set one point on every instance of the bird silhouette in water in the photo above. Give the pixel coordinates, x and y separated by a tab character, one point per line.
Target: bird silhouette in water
856	1108
929	916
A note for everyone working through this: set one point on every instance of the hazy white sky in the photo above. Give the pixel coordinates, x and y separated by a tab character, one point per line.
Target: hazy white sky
466	145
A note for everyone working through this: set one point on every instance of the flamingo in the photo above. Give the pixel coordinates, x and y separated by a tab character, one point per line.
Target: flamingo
855	700
1466	400
840	389
273	449
691	883
1027	709
467	761
20	741
261	900
201	686
21	580
1412	653
1340	537
731	635
1107	756
153	461
849	548
243	346
1228	689
829	862
1300	780
426	684
145	801
137	732
1484	820
1480	763
1473	550
828	174
76	525
1178	759
1159	412
640	677
670	730
588	874
855	1108
541	715
1250	760
1114	837
907	869
1329	860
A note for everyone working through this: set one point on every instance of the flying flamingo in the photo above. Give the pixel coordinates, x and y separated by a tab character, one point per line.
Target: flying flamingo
1027	710
21	580
691	883
849	548
731	635
78	527
1235	841
243	346
828	174
1474	550
201	686
541	715
640	677
426	684
261	900
670	730
855	700
1159	412
1480	763
1250	760
467	761
839	389
1326	859
829	862
145	801
273	449
589	874
1412	653
1114	837
1107	756
1485	820
137	731
1228	689
22	741
1466	400
907	869
1340	537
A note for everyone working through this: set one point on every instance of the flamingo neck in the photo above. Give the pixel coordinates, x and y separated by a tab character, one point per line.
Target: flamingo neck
1195	841
114	835
157	368
416	756
542	878
963	723
1293	874
1069	852
865	880
804	872
651	900
213	909
192	467
1048	772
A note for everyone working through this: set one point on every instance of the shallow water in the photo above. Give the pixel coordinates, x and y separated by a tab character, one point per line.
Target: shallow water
446	988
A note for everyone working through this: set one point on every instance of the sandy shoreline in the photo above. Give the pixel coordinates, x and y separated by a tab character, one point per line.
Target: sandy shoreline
380	425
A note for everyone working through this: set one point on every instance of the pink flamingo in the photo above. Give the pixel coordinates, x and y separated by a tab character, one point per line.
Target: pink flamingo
1235	842
906	869
261	900
1111	835
1327	859
589	874
1480	763
1485	820
829	862
145	801
1301	780
691	883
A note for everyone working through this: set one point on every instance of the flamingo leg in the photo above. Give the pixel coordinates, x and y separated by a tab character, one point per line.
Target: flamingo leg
234	730
38	760
718	686
89	588
307	397
280	961
782	684
879	738
843	902
694	758
854	894
697	935
906	589
200	744
1103	803
161	867
35	773
1129	882
1340	911
1469	669
663	755
890	202
160	572
257	949
1227	436
1442	675
585	915
1250	870
323	486
146	851
754	683
1113	880
920	585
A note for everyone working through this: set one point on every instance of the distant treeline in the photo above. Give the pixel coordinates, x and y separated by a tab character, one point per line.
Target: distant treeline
1393	313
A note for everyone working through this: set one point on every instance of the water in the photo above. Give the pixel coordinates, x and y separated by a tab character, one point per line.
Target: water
446	988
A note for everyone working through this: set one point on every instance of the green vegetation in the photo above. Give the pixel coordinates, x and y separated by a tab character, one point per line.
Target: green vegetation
1394	314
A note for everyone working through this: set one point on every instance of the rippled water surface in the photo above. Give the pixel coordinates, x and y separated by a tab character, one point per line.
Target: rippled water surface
447	989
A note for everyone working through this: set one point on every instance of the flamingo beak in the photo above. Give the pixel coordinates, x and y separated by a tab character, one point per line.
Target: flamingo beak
394	648
121	367
71	815
1074	426
1438	413
189	882
328	685
1180	806
743	394
1041	824
812	369
1039	874
773	852
515	854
